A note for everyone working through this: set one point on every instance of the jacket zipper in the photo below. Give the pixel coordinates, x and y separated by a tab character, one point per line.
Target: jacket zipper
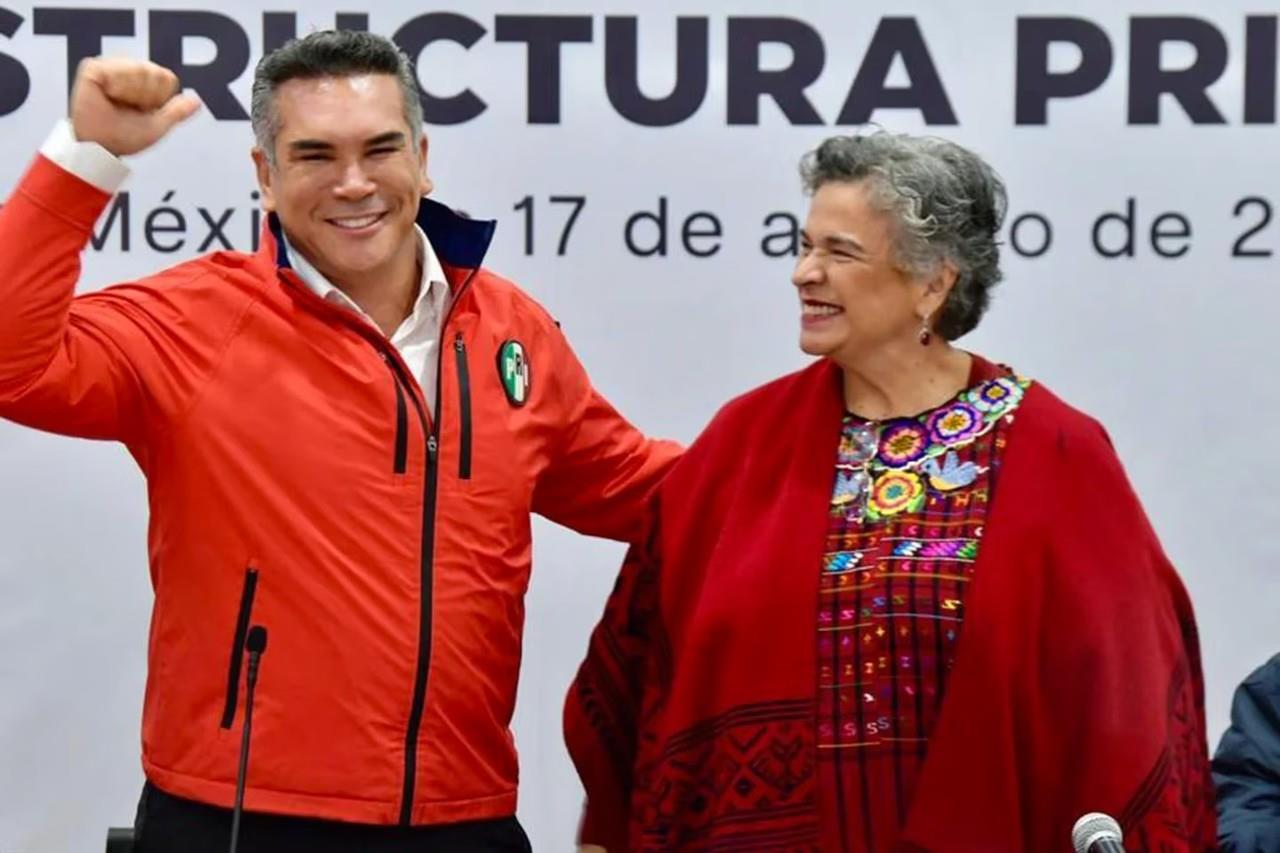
464	407
404	385
425	597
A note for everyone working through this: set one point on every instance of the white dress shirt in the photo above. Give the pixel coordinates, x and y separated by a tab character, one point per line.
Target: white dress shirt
418	336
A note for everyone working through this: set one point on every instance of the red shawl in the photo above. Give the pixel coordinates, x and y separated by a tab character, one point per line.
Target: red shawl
1076	686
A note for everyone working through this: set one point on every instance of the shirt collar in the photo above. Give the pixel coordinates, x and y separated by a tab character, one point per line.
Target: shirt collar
432	289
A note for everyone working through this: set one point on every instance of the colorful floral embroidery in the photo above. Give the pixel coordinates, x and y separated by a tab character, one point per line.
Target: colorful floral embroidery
926	444
899	560
903	442
895	492
996	394
955	423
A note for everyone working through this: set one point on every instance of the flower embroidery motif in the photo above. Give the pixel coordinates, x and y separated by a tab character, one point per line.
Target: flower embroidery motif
996	395
955	423
902	442
895	492
922	451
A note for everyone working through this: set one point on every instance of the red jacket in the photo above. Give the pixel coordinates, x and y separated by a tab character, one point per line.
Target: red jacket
1076	685
297	480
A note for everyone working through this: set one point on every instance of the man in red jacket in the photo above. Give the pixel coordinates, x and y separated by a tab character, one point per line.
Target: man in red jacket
343	435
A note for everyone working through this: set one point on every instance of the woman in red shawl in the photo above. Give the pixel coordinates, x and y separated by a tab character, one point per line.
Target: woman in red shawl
903	599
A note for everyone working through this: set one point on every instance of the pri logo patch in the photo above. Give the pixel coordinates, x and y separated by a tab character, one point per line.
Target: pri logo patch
513	370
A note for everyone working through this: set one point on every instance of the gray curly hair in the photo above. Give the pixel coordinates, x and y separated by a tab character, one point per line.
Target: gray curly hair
947	204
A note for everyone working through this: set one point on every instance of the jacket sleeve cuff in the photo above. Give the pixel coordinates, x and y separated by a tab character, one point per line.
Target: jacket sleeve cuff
88	161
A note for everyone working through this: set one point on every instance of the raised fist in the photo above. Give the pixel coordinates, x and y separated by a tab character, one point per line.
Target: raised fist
126	105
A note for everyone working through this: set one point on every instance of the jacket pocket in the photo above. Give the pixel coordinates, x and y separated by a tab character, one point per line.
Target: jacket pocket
237	645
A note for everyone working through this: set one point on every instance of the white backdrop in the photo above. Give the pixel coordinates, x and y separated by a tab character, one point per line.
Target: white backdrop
1174	355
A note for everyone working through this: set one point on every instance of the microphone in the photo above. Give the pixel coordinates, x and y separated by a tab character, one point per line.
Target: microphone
1097	833
256	644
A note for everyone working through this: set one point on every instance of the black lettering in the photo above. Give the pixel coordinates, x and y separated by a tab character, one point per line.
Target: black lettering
216	227
119	208
84	29
578	202
1036	85
211	80
1126	221
255	222
1158	235
622	73
1046	240
747	82
15	82
279	28
1260	70
152	226
896	37
780	244
420	32
1238	249
544	34
659	219
688	234
526	204
1148	81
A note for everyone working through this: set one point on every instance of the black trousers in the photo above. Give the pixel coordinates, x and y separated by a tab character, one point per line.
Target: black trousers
169	824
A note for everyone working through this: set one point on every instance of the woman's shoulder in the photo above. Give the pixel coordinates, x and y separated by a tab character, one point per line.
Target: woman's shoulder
766	407
763	424
1053	439
1046	417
